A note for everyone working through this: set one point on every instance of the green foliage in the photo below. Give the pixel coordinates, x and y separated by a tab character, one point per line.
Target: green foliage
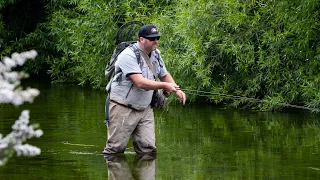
3	3
81	33
266	50
79	37
18	19
269	46
259	49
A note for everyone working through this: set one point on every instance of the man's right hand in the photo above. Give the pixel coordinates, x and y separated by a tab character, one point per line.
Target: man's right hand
171	87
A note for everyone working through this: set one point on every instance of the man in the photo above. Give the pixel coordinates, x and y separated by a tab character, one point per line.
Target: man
130	113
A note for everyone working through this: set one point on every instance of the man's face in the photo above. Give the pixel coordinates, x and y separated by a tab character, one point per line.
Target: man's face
150	43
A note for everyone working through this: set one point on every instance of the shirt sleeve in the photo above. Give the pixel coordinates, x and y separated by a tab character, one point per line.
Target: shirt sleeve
128	63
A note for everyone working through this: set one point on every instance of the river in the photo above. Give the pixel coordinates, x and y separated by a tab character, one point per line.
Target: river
194	142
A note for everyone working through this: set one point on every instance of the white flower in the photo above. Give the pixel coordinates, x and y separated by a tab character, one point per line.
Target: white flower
6	95
10	76
6	85
3	68
9	93
18	58
38	133
9	62
30	54
33	92
27	150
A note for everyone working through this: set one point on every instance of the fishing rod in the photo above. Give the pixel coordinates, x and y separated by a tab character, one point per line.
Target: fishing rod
206	94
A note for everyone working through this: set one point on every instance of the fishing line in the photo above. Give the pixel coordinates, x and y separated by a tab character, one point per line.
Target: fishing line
207	94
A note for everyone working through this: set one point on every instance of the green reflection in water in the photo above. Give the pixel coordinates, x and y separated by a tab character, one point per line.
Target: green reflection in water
204	142
194	141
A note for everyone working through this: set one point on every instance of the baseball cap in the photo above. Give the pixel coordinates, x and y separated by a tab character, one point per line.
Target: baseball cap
148	30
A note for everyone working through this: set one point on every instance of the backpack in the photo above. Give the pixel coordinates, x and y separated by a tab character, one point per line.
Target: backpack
110	68
124	38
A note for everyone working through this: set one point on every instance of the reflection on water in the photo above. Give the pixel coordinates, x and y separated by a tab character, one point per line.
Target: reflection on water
193	141
143	167
228	144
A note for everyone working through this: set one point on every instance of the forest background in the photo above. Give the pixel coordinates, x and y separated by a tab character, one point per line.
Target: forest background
261	49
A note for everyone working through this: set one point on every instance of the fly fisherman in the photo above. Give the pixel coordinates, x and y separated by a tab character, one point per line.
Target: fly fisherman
130	113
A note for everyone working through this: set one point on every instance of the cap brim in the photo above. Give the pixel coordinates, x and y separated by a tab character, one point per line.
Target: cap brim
153	35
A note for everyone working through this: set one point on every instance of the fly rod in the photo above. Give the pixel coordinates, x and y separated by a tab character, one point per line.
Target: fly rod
206	94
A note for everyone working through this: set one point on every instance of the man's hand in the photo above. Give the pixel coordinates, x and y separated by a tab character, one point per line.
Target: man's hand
171	87
182	96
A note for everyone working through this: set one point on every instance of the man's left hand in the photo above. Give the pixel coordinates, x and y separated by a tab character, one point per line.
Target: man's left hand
182	96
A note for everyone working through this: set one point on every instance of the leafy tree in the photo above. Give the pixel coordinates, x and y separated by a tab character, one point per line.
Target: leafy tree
259	49
263	50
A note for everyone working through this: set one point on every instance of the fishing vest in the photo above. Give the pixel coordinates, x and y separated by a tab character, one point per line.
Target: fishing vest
123	90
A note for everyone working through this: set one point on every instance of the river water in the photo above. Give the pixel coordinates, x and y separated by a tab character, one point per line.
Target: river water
195	142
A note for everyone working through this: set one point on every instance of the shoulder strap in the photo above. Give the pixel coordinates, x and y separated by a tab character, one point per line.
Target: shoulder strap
158	57
136	51
146	58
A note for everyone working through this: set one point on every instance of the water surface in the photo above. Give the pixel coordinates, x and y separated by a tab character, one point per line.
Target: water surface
194	141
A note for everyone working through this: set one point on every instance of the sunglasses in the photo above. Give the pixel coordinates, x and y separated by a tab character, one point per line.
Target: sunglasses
152	38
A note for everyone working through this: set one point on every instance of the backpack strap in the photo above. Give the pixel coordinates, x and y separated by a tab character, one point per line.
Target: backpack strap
158	58
136	51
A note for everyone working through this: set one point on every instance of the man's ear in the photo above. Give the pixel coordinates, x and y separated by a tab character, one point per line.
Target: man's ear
142	39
